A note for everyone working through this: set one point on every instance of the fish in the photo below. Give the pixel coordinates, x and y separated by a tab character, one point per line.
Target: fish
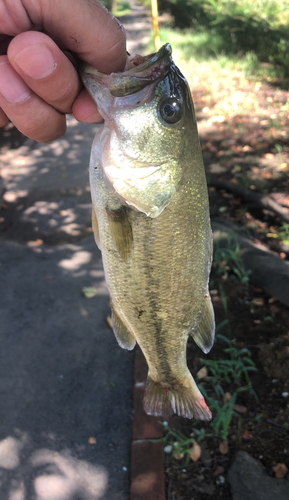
150	219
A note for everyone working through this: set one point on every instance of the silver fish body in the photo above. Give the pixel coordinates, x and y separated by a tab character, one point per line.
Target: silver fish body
151	222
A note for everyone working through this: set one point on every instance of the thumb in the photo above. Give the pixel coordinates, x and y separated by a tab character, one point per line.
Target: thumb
82	26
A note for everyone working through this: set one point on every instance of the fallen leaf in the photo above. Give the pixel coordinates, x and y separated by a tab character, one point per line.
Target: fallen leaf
266	175
108	319
272	300
280	470
4	206
216	168
202	373
89	291
224	448
228	396
258	301
179	456
219	470
195	452
247	435
92	440
36	243
240	409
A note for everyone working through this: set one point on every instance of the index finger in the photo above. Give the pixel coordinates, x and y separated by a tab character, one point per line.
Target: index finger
85	27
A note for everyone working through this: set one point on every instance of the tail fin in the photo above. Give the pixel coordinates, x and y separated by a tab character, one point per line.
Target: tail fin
185	401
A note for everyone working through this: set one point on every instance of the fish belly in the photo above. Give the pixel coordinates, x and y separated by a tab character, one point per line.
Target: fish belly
158	289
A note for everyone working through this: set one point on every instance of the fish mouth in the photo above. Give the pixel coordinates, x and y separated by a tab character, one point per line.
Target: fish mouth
142	71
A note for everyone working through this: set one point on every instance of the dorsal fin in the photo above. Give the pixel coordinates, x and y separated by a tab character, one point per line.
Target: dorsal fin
121	232
204	333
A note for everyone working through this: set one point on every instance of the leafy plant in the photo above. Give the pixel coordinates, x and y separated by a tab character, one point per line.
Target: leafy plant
279	149
123	8
232	370
224	301
270	318
222	414
239	27
284	233
181	444
228	257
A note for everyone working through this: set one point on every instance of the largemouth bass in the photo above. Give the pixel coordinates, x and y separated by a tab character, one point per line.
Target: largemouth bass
151	221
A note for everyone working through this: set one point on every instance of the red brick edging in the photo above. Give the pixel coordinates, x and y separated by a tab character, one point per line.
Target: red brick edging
147	468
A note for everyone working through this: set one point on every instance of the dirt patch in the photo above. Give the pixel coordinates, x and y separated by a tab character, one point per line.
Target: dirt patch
259	426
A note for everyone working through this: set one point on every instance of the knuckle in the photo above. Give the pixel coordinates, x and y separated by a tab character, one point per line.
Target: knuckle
44	126
63	102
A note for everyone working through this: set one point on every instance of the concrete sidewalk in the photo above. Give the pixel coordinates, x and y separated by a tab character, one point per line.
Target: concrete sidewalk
65	384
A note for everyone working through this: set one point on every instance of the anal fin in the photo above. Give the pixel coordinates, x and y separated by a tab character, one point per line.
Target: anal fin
95	228
121	231
204	333
124	337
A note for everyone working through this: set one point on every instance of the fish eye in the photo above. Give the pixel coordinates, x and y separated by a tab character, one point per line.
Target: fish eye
170	110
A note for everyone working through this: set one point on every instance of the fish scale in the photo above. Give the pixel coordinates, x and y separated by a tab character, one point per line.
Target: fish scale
156	261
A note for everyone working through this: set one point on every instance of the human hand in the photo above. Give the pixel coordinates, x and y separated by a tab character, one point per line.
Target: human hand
38	82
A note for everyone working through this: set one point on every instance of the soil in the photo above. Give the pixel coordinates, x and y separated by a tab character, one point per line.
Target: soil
264	421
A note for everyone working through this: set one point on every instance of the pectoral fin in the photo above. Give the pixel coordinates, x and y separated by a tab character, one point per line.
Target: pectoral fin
95	228
125	338
121	231
204	333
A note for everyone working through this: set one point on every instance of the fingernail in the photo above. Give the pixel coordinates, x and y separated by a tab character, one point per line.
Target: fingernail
12	87
36	61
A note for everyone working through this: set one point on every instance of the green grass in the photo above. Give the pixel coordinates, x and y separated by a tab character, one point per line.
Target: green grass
284	233
229	257
207	48
235	370
181	444
123	8
197	46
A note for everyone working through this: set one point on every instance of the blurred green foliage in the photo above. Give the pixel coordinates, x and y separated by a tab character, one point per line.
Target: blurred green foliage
119	8
107	4
259	29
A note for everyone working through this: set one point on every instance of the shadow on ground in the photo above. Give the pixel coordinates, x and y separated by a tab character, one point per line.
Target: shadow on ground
65	385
